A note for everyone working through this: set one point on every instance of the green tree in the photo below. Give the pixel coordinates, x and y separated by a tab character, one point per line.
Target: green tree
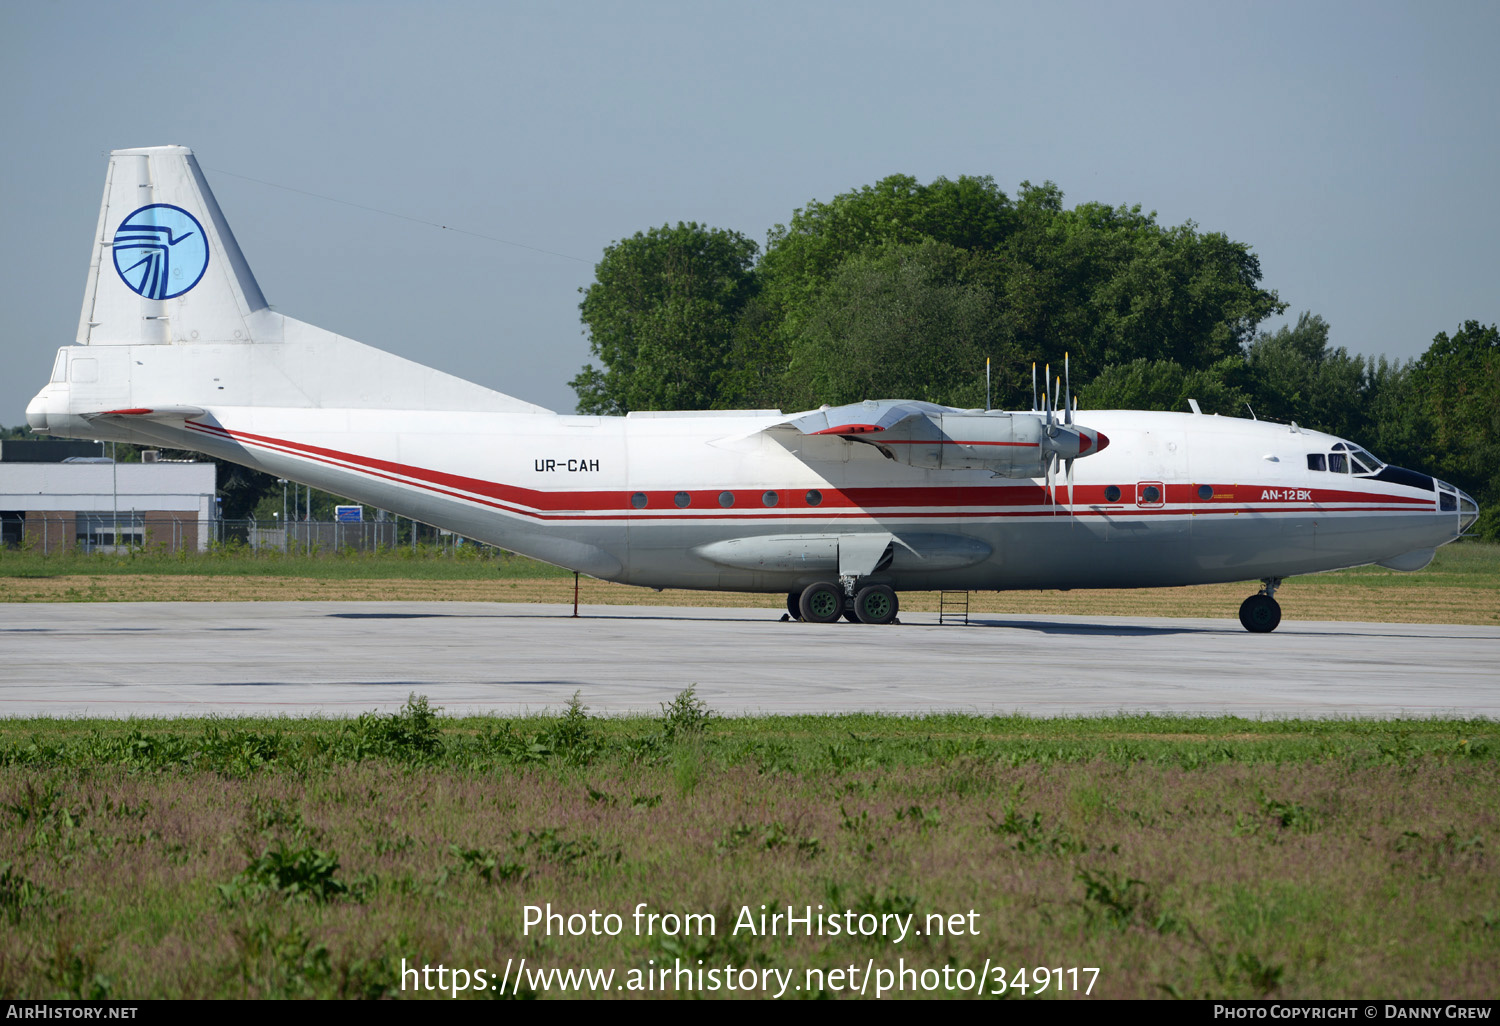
903	321
1296	375
803	257
1144	384
1456	392
1107	284
679	318
1110	285
662	316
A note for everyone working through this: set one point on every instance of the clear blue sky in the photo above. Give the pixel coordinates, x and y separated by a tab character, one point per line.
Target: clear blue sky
1353	145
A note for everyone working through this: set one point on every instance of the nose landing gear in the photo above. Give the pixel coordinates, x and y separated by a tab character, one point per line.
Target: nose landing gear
1260	613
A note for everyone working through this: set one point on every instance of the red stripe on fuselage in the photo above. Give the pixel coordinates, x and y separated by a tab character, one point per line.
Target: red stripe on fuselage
981	501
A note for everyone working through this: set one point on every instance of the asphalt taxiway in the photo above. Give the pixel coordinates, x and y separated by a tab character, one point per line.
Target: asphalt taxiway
340	659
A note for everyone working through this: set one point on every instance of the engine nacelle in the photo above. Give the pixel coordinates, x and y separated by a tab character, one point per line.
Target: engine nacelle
1005	444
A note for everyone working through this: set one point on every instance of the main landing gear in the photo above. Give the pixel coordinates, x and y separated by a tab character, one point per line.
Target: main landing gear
1261	613
826	602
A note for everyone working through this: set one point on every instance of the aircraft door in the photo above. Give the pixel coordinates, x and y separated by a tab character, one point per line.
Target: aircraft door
1163	459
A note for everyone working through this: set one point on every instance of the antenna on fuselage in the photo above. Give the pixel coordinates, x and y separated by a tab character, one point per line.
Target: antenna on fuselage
1251	409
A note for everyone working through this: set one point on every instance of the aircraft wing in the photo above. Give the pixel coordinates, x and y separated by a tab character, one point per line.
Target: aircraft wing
937	437
860	418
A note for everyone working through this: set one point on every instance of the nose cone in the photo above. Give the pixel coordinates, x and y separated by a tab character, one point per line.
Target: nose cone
1091	441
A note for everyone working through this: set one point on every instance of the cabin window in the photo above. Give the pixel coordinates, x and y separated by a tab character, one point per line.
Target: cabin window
1338	463
814	497
638	500
726	499
1205	492
770	498
1447	502
1317	461
681	499
1112	494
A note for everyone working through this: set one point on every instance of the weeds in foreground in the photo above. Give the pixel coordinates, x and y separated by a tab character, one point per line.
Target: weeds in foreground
1185	857
292	873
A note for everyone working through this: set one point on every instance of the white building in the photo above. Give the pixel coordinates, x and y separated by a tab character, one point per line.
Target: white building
53	506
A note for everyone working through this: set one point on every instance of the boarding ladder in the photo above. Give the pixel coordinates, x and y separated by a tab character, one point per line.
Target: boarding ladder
953	607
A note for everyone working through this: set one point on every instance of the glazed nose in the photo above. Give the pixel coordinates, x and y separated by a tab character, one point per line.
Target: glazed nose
1468	512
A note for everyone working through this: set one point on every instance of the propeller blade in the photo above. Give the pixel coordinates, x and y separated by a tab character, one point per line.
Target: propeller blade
1033	386
1068	393
1070	486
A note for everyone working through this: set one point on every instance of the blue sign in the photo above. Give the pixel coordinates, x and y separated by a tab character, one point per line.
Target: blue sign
349	514
160	251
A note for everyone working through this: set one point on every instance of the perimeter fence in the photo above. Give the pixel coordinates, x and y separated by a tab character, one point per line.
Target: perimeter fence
48	532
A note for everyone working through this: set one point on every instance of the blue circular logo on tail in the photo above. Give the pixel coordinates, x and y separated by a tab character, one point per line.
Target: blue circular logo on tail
160	251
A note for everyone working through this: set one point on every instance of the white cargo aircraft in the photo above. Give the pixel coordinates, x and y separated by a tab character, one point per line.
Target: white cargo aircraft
838	508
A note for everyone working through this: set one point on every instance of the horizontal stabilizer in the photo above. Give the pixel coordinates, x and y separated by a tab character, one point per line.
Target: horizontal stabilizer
150	413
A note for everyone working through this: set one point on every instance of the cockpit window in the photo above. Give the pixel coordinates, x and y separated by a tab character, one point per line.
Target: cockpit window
1345	459
1364	463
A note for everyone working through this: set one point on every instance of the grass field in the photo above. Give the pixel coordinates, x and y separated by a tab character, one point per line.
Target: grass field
1179	857
1461	586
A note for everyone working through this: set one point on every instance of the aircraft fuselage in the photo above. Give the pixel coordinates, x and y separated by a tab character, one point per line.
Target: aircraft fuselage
713	501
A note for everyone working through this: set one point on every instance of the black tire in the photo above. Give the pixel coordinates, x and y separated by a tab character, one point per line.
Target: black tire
794	604
876	603
821	602
1260	614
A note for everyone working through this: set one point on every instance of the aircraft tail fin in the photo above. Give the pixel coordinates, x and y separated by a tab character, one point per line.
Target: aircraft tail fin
166	269
165	266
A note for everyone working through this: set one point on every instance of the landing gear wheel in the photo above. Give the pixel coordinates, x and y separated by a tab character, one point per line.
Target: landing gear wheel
1260	614
875	603
794	604
821	602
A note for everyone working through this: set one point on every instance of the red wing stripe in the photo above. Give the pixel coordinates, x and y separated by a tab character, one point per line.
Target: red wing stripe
952	441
